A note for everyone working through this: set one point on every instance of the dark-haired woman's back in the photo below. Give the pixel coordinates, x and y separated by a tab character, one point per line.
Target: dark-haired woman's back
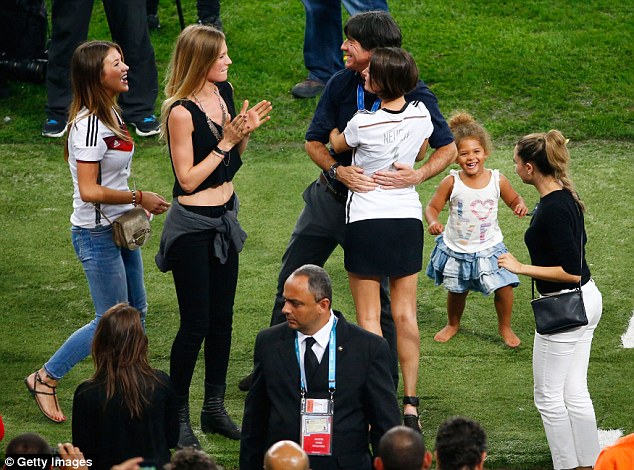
107	433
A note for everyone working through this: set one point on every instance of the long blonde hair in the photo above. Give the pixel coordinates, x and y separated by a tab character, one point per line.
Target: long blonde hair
548	152
197	49
86	70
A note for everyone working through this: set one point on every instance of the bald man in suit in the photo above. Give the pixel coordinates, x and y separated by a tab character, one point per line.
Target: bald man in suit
364	399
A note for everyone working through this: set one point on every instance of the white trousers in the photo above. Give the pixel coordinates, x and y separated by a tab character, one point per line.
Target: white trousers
560	369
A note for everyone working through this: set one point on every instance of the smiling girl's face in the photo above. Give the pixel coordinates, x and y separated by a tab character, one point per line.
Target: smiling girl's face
114	73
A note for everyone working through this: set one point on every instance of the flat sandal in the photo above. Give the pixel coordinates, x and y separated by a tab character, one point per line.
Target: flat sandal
35	392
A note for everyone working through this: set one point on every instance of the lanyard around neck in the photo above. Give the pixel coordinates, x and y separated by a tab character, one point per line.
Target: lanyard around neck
361	100
332	360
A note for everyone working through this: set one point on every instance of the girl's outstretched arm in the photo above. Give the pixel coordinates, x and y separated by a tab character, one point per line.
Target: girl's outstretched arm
436	204
511	198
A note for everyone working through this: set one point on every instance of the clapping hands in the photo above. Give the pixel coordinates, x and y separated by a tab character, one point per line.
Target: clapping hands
257	115
247	121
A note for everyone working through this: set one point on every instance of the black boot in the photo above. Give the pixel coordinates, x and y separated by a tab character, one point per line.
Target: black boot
186	437
213	417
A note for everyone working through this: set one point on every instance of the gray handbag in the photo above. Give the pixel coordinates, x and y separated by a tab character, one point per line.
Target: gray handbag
132	229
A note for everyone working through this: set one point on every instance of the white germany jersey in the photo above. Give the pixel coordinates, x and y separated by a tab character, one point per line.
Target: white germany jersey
379	139
89	140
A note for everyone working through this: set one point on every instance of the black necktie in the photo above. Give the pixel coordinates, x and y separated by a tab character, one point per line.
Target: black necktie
310	359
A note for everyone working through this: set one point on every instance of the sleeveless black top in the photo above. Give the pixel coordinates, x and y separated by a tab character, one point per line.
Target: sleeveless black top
204	141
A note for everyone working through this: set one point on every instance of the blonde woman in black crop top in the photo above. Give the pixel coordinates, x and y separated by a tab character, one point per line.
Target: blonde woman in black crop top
202	237
556	242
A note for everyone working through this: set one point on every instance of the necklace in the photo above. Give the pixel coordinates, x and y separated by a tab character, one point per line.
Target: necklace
210	123
223	110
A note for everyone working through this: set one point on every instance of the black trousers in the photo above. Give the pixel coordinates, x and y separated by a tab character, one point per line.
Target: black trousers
206	290
127	20
318	231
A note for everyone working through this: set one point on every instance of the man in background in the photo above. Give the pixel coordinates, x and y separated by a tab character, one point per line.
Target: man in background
322	40
127	20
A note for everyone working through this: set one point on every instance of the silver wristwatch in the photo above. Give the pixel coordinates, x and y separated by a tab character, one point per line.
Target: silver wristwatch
332	171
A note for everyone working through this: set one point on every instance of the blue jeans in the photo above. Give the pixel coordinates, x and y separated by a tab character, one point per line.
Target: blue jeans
323	34
114	275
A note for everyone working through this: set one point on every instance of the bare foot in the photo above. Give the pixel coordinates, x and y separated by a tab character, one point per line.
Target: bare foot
510	338
446	333
42	387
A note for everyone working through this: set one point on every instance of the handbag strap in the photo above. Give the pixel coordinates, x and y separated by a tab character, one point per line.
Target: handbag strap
98	211
97	206
580	260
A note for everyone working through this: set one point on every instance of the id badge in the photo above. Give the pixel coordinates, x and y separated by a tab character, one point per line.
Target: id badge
316	426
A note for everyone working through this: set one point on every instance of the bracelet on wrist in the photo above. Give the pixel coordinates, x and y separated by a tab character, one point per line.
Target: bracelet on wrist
133	197
224	153
140	196
215	153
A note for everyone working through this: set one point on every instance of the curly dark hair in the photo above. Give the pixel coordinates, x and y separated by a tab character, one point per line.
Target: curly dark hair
190	458
460	443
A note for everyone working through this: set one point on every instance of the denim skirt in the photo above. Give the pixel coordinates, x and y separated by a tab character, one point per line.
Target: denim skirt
462	272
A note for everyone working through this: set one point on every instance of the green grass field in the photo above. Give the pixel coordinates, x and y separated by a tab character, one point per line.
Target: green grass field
518	67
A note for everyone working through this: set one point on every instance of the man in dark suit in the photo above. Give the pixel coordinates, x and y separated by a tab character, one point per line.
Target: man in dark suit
359	391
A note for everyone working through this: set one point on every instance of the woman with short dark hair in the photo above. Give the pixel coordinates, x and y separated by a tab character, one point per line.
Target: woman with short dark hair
384	229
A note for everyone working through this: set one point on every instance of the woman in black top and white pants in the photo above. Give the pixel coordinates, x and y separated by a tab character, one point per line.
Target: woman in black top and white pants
560	360
201	236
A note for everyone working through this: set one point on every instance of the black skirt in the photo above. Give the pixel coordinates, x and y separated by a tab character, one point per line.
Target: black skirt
384	247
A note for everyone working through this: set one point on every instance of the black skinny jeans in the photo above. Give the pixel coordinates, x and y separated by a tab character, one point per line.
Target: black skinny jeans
205	289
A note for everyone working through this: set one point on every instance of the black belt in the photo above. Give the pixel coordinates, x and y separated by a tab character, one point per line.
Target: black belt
213	212
334	192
